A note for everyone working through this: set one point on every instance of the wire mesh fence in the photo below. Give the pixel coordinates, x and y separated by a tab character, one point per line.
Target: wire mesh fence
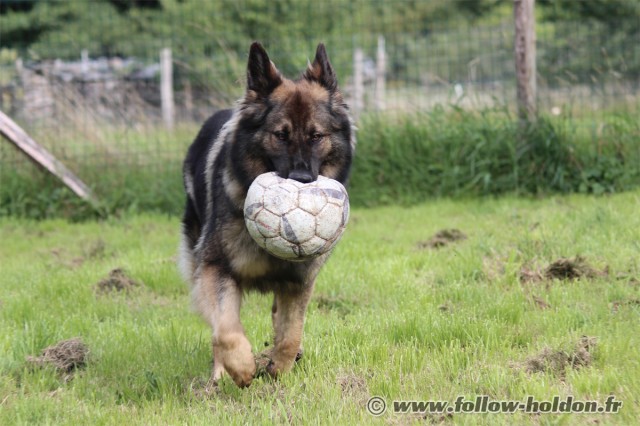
84	77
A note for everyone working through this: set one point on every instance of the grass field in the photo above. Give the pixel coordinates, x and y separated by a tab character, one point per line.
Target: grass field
391	317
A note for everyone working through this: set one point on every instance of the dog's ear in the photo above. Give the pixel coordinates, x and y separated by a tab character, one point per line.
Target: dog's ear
321	70
262	76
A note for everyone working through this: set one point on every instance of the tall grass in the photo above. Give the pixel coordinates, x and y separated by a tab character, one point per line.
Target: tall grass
461	153
408	158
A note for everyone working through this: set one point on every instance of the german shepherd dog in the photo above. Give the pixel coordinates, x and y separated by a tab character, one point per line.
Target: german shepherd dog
296	128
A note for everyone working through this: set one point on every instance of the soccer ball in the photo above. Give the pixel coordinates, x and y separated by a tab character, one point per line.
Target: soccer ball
293	220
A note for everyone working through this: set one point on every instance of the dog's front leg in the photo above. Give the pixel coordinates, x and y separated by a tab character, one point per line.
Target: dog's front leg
288	321
218	298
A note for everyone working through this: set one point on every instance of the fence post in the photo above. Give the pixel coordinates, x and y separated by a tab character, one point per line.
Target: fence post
525	58
381	65
166	88
84	60
358	81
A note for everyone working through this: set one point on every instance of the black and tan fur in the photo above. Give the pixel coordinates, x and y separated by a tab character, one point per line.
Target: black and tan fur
298	129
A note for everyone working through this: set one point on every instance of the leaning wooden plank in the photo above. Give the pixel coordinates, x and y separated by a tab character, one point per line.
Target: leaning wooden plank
39	155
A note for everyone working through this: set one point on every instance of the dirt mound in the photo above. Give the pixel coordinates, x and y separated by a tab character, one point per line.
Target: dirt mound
116	281
352	384
557	361
562	269
572	269
442	238
64	356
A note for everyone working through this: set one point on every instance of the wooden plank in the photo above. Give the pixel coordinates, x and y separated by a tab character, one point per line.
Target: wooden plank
43	158
525	58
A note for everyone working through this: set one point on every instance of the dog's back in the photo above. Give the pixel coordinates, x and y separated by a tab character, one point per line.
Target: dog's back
195	185
194	172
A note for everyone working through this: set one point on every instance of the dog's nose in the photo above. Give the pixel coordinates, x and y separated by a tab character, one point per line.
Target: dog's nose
302	176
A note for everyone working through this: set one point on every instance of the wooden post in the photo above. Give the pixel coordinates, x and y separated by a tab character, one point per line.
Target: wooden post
166	88
380	74
14	134
525	58
84	60
358	81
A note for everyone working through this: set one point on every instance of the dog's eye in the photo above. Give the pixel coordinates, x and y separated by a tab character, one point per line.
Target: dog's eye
316	137
281	135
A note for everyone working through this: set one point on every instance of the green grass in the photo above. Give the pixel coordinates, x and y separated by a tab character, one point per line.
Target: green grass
387	318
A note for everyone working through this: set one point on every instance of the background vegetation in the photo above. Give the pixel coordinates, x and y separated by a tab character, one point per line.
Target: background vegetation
212	36
448	129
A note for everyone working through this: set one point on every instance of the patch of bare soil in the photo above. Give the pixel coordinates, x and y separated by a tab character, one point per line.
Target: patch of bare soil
353	387
446	307
442	238
65	356
204	389
562	269
615	306
117	280
557	361
339	305
572	269
351	384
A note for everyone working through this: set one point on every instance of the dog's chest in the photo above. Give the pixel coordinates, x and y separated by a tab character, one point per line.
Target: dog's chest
246	258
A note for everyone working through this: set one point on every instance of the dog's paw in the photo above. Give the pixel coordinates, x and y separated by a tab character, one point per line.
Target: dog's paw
241	367
238	361
281	362
266	366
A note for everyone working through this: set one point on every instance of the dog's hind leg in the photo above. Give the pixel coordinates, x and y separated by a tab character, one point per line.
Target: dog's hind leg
218	298
288	322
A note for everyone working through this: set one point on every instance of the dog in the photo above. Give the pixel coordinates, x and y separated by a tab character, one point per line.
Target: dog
297	128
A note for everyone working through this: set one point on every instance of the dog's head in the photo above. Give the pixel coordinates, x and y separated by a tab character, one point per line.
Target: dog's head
297	128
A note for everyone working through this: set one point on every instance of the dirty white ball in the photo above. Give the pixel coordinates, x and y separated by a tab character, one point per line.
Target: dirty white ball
294	220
